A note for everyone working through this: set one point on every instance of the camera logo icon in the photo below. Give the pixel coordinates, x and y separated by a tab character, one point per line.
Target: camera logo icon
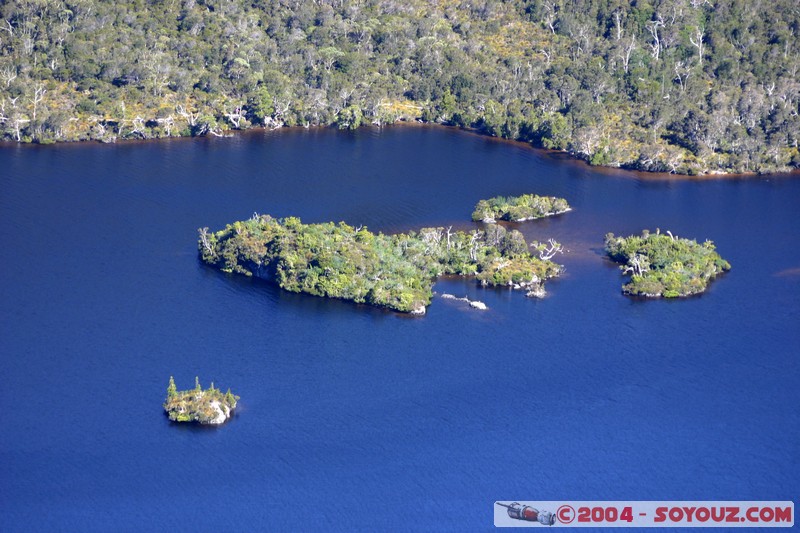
529	514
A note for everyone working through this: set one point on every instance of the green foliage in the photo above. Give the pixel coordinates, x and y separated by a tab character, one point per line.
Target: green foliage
349	118
230	399
260	106
198	405
172	391
671	85
554	132
519	208
339	261
664	265
522	269
447	107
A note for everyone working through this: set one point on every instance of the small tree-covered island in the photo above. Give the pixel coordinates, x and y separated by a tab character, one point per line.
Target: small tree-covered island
662	264
209	407
519	208
391	271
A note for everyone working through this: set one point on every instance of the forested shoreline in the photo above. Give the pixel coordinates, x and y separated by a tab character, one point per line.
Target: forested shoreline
684	86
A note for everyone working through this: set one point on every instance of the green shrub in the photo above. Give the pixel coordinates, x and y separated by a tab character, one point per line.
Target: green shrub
339	261
665	265
518	208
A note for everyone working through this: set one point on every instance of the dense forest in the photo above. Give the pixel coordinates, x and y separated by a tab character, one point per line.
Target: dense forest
687	86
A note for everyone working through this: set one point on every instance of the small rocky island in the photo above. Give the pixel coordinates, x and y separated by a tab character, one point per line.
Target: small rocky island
209	406
392	271
518	208
662	264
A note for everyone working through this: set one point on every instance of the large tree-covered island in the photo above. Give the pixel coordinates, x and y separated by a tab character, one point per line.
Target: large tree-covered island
665	265
392	271
208	407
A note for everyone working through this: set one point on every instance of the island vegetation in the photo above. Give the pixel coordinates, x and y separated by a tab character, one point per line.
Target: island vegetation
665	265
209	406
391	271
686	86
519	208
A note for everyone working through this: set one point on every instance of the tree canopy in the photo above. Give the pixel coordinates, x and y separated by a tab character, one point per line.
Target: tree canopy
665	265
519	208
392	271
686	86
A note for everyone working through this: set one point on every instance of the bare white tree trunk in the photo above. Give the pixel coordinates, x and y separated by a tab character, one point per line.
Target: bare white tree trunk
626	53
167	123
137	126
653	27
9	74
8	27
547	253
190	117
205	240
550	16
638	264
682	74
235	117
38	96
18	122
475	244
618	23
697	41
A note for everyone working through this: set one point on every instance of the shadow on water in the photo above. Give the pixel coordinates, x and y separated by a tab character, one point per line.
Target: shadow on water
255	289
195	427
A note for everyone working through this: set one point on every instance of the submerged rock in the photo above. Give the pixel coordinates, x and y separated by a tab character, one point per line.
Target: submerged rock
475	304
536	291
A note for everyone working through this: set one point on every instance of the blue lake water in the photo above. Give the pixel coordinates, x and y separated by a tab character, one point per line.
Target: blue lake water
359	419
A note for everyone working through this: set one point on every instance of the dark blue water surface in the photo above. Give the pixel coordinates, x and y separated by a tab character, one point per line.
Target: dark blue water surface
359	419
